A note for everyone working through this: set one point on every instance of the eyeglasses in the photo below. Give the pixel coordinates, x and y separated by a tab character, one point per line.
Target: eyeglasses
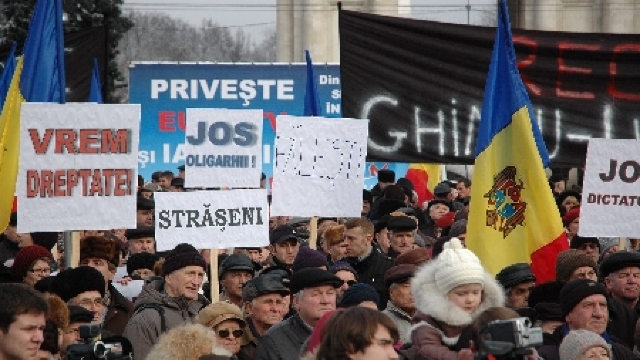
43	271
85	303
225	333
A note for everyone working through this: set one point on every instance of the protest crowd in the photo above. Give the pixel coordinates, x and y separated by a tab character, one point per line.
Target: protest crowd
396	283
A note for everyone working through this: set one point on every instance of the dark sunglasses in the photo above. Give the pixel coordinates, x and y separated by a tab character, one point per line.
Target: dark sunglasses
225	333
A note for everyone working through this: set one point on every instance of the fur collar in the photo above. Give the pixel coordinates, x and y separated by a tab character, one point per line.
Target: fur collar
432	302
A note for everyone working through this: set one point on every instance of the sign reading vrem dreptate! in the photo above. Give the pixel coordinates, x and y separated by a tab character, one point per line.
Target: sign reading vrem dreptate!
212	219
611	194
319	167
223	148
77	167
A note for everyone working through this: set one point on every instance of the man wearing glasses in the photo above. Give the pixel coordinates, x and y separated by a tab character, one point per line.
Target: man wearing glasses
82	286
587	245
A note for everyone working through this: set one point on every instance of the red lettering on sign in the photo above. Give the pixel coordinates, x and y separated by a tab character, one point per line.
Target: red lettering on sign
39	146
531	44
613	72
562	68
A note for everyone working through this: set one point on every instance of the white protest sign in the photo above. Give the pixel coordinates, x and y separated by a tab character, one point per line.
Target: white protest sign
611	192
223	148
78	167
319	166
212	219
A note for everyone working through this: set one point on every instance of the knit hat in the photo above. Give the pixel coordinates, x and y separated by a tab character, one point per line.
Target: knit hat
344	266
578	241
607	243
417	257
25	258
569	260
548	292
577	342
181	256
334	235
570	215
574	291
97	247
457	266
220	311
73	282
515	274
619	260
142	260
308	258
358	293
459	227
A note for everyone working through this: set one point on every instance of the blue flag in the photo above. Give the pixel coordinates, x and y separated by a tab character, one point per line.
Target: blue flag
311	99
7	73
95	94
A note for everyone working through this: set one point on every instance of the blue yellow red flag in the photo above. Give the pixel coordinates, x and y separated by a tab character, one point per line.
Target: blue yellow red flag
513	216
39	77
311	99
95	92
7	74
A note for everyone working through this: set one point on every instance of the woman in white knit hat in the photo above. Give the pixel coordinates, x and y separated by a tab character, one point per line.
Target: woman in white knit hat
450	292
584	345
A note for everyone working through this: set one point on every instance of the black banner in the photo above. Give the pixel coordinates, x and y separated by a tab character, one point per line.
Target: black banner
81	47
421	84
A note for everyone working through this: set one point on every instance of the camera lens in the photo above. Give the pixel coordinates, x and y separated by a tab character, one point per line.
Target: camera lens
99	350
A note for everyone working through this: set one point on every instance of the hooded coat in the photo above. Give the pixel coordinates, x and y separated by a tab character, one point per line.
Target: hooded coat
144	327
438	322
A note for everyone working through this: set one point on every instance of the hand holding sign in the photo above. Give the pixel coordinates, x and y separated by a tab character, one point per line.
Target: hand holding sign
319	168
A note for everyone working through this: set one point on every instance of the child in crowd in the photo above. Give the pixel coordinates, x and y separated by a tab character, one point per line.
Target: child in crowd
450	292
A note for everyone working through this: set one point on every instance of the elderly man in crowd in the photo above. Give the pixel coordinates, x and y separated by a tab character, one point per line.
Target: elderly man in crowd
401	306
518	281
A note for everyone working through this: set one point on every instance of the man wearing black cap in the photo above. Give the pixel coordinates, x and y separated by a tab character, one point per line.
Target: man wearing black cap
386	177
621	273
144	211
141	239
234	272
518	281
367	201
587	245
263	303
77	316
401	306
284	246
584	307
382	242
177	185
169	302
314	295
401	234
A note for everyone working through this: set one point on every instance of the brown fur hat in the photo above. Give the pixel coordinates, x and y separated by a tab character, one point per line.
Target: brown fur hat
186	342
97	247
334	235
58	311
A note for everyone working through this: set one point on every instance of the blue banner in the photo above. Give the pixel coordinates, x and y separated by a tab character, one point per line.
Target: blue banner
165	91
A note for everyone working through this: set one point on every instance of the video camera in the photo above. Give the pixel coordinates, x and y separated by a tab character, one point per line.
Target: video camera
508	339
110	348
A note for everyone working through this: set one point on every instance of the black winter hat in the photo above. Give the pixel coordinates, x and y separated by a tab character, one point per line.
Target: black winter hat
263	284
386	176
73	282
577	241
574	291
282	233
140	232
401	223
145	204
237	262
367	196
619	260
358	293
143	260
548	292
515	274
45	239
181	256
546	311
312	277
78	314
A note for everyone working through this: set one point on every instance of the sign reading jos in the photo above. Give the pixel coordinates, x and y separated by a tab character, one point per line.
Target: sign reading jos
319	166
77	167
223	148
610	198
212	219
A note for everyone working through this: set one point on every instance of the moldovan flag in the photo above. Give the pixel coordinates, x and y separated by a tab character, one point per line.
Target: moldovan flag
39	77
424	177
513	217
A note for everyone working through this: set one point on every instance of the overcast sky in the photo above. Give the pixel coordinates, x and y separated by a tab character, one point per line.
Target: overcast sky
256	16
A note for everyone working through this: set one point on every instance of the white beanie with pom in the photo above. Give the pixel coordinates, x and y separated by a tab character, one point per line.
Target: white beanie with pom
457	266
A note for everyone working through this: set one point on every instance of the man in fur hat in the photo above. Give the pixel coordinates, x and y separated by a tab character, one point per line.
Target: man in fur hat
98	252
